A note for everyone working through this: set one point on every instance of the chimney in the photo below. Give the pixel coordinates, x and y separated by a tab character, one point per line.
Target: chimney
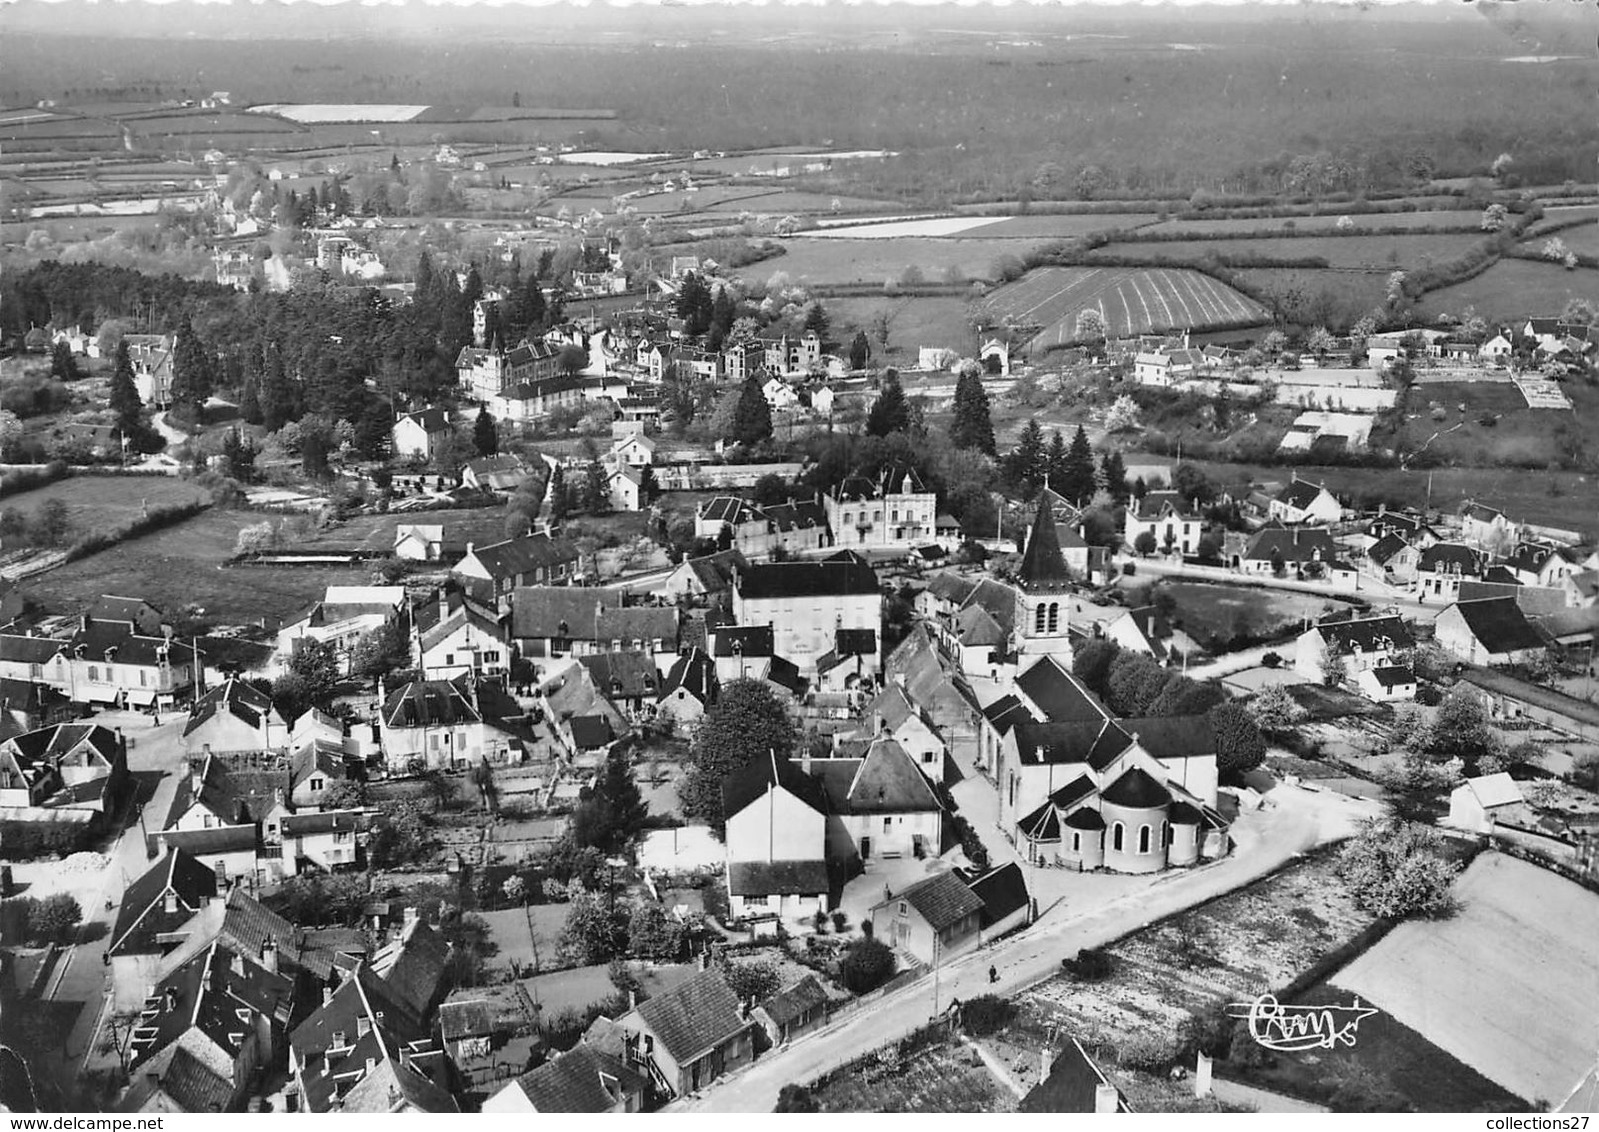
327	995
632	1000
1106	1099
237	964
169	902
1046	1062
704	960
269	955
1202	1076
410	914
83	622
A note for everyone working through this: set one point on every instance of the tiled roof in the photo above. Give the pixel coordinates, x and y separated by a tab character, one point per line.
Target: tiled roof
622	673
507	559
796	1001
590	732
943	900
233	697
193	1087
431	420
585	614
1384	549
1299	494
715	571
1072	1084
581	1080
414	967
975	627
769	878
1366	632
1296	545
1450	558
694	1016
1393	675
395	1087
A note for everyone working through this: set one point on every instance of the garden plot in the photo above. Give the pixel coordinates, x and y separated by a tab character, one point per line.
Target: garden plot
1508	985
1541	393
944	1078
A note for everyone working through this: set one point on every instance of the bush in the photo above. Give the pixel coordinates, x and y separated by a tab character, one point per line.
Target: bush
1271	660
796	1098
840	921
754	981
867	965
1128	569
18	480
27	920
986	1014
27	840
1149	1051
1090	965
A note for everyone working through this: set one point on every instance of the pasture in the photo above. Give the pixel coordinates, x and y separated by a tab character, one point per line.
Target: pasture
1328	222
819	260
760	199
1369	252
181	566
1062	226
1216	612
97	502
935	320
1490	423
1515	288
1131	301
1507	985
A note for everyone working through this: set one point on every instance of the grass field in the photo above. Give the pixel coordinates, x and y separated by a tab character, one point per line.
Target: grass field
1508	984
1404	251
822	260
938	320
760	199
481	525
97	502
1326	223
1515	288
1131	301
182	566
940	1079
1515	433
1214	612
1352	293
1060	227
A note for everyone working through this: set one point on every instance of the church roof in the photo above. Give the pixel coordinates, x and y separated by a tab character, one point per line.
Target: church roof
1043	565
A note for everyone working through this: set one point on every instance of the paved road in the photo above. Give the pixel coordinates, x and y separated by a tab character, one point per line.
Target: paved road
1295	821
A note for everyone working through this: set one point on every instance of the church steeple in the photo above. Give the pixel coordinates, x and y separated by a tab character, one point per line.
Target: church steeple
1043	566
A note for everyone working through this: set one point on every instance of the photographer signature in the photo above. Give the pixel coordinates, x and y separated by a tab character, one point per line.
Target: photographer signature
1295	1028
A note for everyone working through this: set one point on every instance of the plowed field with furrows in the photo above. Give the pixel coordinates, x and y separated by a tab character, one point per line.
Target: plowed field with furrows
1132	300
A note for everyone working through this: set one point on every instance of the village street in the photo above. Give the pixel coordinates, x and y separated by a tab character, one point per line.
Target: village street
80	975
1293	821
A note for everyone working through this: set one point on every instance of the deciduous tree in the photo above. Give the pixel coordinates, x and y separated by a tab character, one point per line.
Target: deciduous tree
745	722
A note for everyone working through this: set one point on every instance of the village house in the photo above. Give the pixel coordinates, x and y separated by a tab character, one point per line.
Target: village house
634	450
443	724
556	621
528	401
709	576
899	511
1391	559
151	355
690	686
1543	564
1442	567
780	395
454	635
1305	502
491	572
421	435
793	1011
138	615
776	841
344	616
583	718
630	681
1497	349
880	804
1146	630
154	906
1489	631
687	1037
233	716
894	715
106	665
931	921
823	399
1487	528
323	841
217	812
1162	515
1360	643
581	1080
1164	368
503	473
419	542
812	606
1478	804
27	704
1389	683
484	374
940	693
1081	789
626	488
759	532
1279	550
68	772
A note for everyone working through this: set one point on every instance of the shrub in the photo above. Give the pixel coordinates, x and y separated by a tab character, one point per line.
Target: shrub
754	981
1271	660
1149	1051
840	920
1128	569
867	965
796	1098
1090	965
986	1014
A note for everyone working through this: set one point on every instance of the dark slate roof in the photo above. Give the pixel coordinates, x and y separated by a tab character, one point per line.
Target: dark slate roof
953	588
886	780
751	640
590	732
855	642
1450	558
207	842
1006	712
742	787
233	697
431	420
1366	632
796	1001
1393	675
521	555
808	579
1136	790
694	1016
1059	695
942	900
1499	625
1299	494
695	673
1002	890
1070	1087
768	878
579	1080
194	885
111	607
1173	736
1385	548
1073	792
326	821
999	599
1085	819
588	615
1043	824
796	514
1043	565
1297	544
20	649
622	673
1096	743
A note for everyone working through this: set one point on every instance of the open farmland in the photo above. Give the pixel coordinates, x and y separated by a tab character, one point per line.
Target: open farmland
1046	227
1508	984
759	199
819	260
1348	293
1213	613
1514	288
182	565
1451	219
1414	250
1131	301
932	320
97	502
1491	423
